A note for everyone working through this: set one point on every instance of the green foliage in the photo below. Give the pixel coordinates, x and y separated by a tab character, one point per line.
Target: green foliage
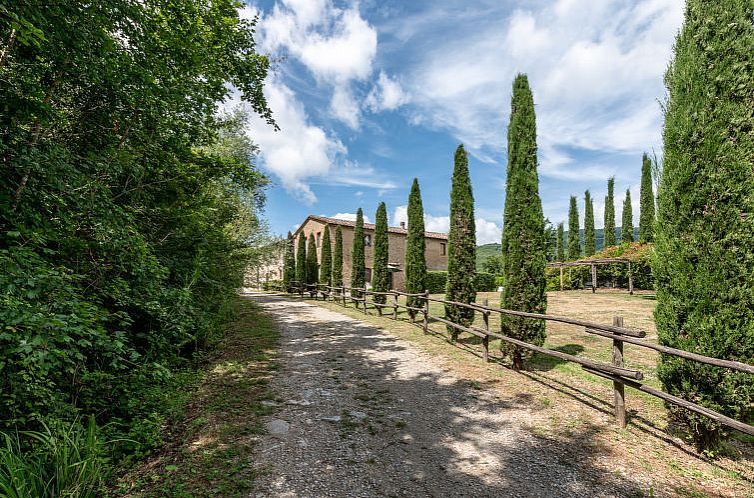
461	245
560	250
493	264
301	274
627	225
609	230
289	263
129	206
574	239
704	236
483	253
358	267
416	264
436	282
525	244
60	461
647	202
485	282
590	235
337	259
379	270
325	267
312	271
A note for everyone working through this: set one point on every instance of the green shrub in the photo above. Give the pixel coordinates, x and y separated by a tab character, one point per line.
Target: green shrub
485	282
273	285
436	281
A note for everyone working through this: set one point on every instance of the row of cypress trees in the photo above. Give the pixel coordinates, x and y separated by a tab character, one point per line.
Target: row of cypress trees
646	219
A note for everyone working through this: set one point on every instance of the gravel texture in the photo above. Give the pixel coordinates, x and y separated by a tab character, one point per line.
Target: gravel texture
361	413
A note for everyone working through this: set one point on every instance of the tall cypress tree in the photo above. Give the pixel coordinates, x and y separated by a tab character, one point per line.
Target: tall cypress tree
646	202
561	243
461	246
590	234
289	263
337	259
609	231
301	260
627	225
358	268
325	265
525	257
312	272
574	238
704	236
416	264
379	270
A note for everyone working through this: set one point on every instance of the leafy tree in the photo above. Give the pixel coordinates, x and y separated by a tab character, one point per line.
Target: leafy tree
461	246
358	267
609	231
337	259
416	264
525	259
574	239
627	226
647	202
590	234
704	236
493	265
380	270
289	263
561	243
325	266
301	273
312	272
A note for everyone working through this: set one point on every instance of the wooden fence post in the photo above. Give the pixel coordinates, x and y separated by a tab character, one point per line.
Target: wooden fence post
486	338
395	305
364	296
630	280
561	277
594	278
618	387
343	293
425	325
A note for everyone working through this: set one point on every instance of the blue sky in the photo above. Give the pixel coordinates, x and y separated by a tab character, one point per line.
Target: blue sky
370	94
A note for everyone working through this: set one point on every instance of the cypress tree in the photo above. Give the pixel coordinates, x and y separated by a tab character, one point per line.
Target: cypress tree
646	202
358	268
416	264
525	257
337	259
325	266
312	272
590	234
461	246
704	236
561	243
379	270
301	260
289	263
574	240
609	231
627	225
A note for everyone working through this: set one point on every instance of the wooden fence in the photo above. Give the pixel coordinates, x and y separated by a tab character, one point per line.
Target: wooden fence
615	371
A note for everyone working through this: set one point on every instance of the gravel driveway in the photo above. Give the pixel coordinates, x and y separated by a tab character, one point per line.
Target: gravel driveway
361	413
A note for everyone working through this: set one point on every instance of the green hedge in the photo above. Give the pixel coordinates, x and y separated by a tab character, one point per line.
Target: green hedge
485	282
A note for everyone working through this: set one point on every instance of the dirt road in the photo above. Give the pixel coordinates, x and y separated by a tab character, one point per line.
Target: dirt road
362	413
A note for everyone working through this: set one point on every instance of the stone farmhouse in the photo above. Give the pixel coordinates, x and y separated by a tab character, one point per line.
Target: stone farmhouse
436	252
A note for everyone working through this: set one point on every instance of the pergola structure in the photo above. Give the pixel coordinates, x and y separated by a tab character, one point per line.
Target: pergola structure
594	263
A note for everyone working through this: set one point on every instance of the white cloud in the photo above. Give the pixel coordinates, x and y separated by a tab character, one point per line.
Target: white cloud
336	45
349	217
487	232
595	69
386	95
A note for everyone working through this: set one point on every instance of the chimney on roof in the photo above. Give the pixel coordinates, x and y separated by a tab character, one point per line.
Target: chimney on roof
403	225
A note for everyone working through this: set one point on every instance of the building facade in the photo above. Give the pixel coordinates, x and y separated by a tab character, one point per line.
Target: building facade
436	252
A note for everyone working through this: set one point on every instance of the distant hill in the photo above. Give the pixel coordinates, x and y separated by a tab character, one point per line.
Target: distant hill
487	250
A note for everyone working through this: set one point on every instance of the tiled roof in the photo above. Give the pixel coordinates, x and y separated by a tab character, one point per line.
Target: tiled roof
368	226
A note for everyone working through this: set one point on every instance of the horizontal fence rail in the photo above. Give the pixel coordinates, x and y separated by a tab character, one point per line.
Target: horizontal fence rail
615	371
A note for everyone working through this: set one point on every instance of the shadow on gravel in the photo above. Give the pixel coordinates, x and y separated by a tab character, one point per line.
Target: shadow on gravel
423	434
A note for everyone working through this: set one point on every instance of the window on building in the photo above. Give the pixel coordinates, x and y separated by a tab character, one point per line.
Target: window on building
368	240
442	248
318	237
